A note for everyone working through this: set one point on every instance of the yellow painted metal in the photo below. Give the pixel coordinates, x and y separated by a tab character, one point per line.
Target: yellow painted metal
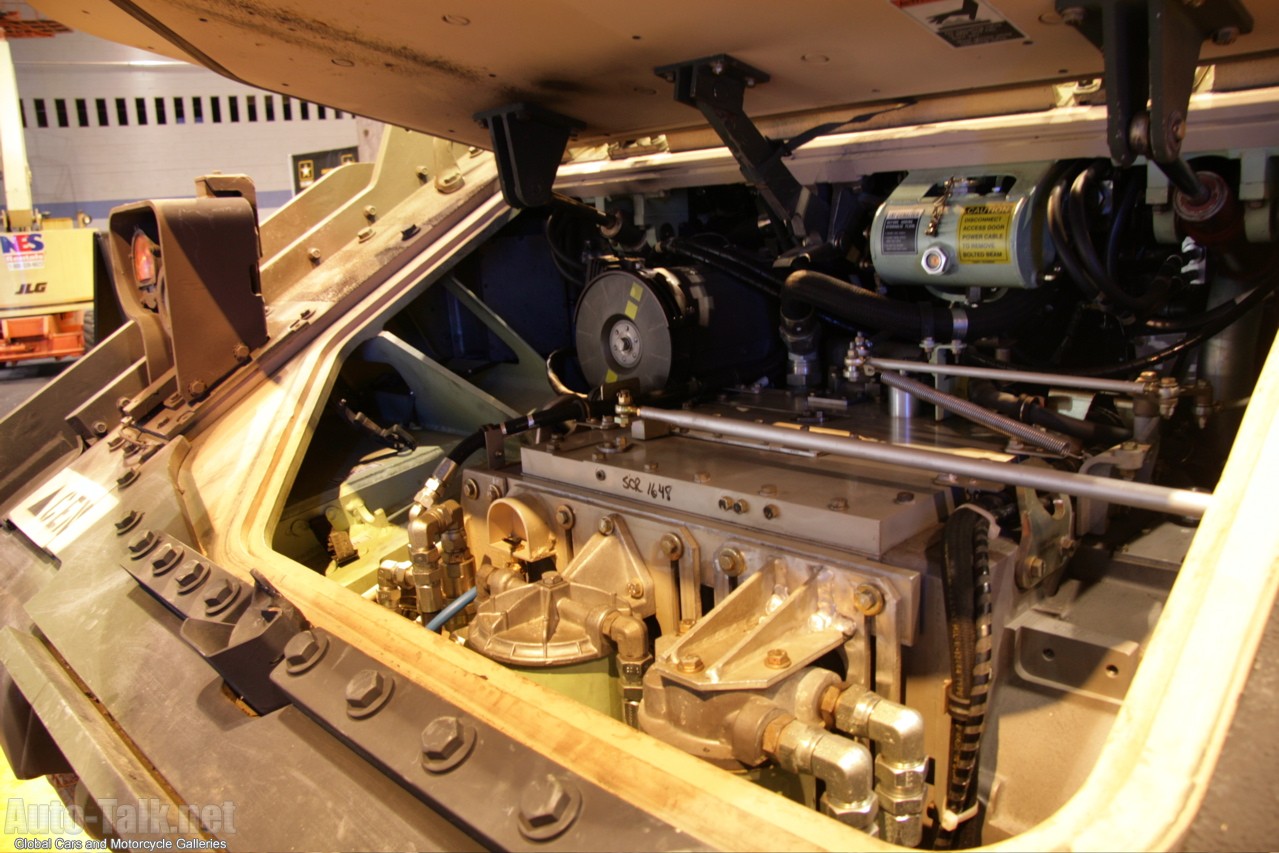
45	272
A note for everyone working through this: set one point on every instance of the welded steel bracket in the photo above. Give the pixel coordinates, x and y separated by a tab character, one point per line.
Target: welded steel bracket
240	630
1151	50
200	307
529	143
717	85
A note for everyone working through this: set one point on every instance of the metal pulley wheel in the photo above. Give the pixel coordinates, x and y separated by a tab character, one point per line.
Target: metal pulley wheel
631	325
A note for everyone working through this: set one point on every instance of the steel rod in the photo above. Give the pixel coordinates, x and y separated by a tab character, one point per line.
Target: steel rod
1123	492
969	410
1118	386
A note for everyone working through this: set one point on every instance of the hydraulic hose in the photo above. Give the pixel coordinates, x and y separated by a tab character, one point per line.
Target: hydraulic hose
726	261
912	320
444	471
967	593
1057	230
1239	307
1067	210
1124	209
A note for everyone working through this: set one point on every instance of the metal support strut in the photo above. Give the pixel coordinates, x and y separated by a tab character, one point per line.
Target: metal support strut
529	143
717	85
1151	50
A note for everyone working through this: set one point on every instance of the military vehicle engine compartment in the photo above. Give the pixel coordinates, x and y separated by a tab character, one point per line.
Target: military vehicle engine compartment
880	513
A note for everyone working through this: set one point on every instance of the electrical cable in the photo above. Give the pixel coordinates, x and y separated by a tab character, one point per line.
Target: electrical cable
552	375
1239	307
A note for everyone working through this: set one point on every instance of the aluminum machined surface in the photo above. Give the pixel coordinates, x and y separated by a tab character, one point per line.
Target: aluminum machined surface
842	504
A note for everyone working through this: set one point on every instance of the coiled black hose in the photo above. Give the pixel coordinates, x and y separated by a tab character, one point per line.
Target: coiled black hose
968	602
1057	230
1068	225
1128	202
913	320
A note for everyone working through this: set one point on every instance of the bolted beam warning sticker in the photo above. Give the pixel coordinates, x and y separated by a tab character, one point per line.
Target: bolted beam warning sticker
960	23
984	233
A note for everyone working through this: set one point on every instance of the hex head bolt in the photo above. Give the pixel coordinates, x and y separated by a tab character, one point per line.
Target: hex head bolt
303	651
219	598
191	577
143	545
367	693
446	743
130	521
165	560
548	806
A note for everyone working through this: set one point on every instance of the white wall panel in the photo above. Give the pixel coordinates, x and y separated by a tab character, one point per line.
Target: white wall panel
93	168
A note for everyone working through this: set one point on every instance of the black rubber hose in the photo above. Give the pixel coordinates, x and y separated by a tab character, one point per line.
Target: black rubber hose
572	410
912	320
1262	276
1082	243
1080	235
1168	325
558	414
1128	202
1240	307
743	270
1057	230
984	393
468	445
725	261
968	599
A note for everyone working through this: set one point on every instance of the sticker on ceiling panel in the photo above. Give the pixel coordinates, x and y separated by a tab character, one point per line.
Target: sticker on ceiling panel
960	23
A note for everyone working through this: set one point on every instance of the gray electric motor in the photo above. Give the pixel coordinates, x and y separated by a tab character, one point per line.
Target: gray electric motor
990	228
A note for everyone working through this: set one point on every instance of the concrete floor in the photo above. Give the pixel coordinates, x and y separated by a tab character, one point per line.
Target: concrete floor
18	383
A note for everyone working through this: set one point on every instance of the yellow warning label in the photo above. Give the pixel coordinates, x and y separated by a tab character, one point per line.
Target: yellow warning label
984	233
636	291
632	308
